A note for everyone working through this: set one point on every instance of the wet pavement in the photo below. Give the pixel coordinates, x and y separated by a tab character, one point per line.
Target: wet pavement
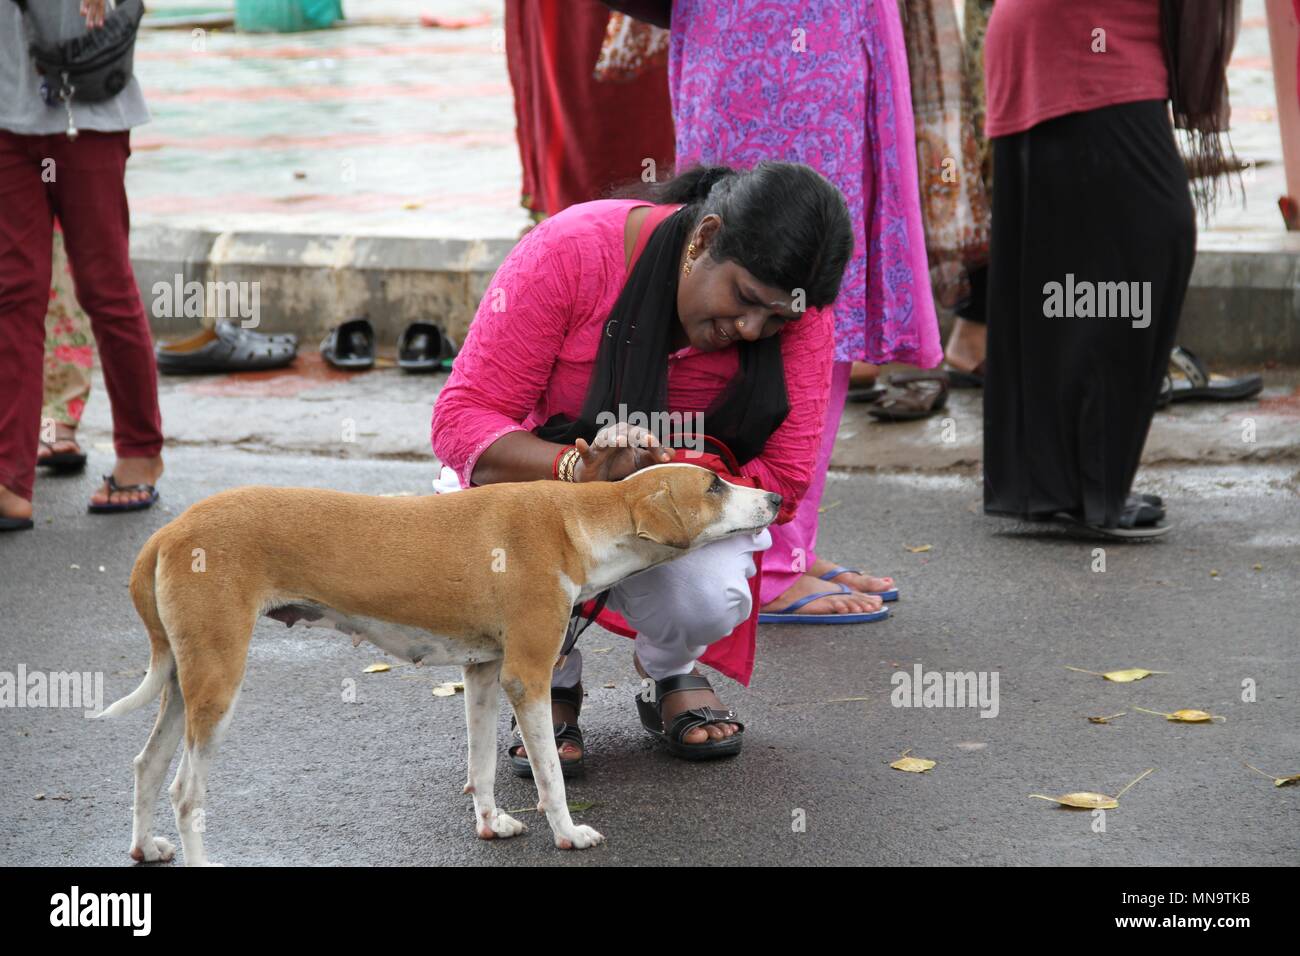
304	778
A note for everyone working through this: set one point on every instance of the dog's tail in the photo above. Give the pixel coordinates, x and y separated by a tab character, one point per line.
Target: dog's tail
162	663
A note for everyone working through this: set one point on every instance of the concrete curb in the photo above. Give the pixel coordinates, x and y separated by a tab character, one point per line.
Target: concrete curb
309	283
1243	306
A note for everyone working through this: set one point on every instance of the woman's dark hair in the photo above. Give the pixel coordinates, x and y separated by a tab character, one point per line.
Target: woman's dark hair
785	224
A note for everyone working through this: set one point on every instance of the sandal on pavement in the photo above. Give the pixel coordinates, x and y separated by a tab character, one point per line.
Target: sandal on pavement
350	346
833	573
113	487
226	348
564	733
1139	519
959	379
16	524
424	347
911	396
1190	380
62	462
787	614
651	714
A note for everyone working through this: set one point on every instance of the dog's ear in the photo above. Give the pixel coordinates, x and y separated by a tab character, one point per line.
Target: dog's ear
657	519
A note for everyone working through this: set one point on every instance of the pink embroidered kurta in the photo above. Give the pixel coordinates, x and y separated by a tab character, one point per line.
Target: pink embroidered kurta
532	348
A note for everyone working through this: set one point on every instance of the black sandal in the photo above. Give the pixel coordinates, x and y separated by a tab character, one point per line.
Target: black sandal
227	347
564	733
1192	381
350	346
62	462
651	714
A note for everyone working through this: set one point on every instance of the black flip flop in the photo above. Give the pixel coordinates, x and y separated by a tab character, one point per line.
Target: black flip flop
110	508
16	524
350	346
564	732
1195	383
959	379
423	347
62	462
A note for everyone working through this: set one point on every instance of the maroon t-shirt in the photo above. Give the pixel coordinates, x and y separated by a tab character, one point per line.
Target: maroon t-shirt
1048	58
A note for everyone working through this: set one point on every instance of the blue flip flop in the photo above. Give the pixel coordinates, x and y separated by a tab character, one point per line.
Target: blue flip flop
113	486
787	615
890	595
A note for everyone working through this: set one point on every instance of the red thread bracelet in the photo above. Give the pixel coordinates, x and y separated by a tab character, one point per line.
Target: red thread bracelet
555	465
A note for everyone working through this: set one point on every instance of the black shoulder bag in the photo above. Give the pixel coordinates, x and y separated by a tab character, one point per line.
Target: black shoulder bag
89	68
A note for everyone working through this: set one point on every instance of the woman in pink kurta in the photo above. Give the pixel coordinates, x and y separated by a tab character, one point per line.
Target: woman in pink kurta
709	301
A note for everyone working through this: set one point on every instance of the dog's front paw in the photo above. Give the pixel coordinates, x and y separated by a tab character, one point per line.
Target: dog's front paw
579	838
500	824
153	850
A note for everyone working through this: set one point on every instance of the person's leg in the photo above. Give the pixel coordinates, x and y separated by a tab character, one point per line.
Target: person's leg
90	201
26	229
69	354
680	608
968	341
791	567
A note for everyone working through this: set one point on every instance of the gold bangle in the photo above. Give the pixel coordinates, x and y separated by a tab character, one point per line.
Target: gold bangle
568	463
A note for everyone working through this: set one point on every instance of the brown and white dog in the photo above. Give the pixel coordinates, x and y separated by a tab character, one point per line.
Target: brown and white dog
485	578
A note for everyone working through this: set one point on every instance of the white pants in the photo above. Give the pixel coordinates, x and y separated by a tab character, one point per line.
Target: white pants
677	609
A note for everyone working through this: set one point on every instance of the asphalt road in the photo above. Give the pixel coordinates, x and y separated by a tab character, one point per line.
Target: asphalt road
306	779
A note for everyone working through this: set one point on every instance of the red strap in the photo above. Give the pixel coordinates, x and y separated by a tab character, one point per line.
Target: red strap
656	215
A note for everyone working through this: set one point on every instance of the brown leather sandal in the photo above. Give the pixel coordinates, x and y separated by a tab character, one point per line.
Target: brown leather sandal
911	396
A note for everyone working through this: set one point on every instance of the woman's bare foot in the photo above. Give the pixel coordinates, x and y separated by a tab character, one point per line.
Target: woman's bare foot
862	375
688	700
13	506
967	345
130	471
851	602
65	440
562	712
863	583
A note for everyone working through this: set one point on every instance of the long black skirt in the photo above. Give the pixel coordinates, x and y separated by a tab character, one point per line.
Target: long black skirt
1094	236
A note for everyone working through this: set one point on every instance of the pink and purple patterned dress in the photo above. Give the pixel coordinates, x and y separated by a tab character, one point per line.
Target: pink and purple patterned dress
821	82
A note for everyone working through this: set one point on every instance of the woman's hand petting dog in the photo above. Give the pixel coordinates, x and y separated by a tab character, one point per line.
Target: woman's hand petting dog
617	451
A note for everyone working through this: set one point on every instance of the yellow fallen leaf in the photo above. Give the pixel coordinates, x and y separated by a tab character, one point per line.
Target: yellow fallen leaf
912	764
1088	800
1213	573
1083	800
1257	567
920	548
1185	716
448	689
377	669
1125	676
1278	781
1105	720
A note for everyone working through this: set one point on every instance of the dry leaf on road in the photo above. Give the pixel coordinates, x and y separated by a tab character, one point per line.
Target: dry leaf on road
1185	716
1125	676
1087	800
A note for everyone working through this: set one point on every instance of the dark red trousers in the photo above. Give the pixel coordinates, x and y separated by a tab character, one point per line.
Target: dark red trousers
82	182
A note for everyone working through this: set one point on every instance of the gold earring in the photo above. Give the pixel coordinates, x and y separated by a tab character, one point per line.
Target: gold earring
740	323
690	252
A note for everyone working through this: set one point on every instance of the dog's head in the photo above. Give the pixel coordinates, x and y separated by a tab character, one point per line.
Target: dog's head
685	506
